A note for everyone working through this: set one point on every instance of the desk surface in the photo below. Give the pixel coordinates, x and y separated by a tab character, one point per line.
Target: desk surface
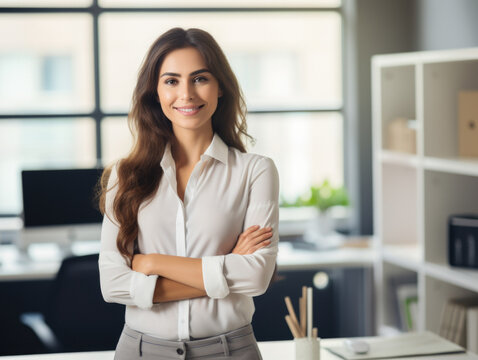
44	260
271	350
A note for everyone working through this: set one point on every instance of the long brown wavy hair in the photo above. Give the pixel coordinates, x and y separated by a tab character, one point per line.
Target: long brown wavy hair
140	172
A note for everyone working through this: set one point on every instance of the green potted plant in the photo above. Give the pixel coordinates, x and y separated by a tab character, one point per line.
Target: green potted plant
325	196
320	229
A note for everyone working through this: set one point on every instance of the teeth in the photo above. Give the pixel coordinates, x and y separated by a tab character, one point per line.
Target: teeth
188	109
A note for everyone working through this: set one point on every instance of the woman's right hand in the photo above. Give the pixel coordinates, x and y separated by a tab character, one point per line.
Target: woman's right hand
253	239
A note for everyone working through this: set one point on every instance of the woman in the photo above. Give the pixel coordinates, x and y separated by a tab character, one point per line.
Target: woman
173	245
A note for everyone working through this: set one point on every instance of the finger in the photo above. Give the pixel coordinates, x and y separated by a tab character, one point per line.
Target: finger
250	230
265	236
260	237
259	246
254	241
261	231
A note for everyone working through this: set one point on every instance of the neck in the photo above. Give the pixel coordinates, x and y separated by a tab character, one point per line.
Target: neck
188	146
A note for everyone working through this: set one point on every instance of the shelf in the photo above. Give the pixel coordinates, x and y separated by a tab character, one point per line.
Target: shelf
445	194
456	165
442	82
425	57
398	201
395	277
415	194
439	292
396	82
396	158
464	278
406	256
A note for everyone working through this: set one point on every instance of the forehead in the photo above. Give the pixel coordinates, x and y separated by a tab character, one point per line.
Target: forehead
183	61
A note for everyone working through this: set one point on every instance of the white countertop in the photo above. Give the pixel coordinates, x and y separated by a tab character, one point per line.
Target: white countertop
270	350
290	258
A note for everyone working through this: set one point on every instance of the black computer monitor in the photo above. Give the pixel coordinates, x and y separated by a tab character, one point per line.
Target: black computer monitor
59	205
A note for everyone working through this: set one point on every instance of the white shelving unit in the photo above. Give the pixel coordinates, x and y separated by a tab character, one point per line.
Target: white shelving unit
414	194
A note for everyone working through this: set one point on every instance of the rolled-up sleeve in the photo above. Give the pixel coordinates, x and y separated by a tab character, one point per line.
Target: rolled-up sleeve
119	283
249	274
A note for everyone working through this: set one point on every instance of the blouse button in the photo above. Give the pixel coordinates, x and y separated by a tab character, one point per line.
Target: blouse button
180	351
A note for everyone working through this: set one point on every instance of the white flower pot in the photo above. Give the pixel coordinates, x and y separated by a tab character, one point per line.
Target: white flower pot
320	232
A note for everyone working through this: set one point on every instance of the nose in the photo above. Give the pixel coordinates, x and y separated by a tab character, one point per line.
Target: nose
187	91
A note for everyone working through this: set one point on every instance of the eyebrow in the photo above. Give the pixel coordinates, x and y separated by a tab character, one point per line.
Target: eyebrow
191	74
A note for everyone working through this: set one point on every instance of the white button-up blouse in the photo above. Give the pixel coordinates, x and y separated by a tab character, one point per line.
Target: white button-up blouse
227	192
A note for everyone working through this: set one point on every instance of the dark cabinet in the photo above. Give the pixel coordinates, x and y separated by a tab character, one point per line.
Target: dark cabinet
342	308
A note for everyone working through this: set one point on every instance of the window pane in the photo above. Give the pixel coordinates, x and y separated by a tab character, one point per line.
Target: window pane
116	139
282	60
46	63
220	3
45	3
41	143
307	148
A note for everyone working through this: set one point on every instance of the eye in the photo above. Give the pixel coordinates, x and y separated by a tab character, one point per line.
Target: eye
170	81
200	79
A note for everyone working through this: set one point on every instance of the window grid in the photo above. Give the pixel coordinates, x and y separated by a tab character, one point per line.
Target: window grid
95	11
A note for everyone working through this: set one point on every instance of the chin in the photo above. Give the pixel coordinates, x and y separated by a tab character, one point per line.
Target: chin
188	125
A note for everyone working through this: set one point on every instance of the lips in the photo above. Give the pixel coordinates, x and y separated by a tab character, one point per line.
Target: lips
188	110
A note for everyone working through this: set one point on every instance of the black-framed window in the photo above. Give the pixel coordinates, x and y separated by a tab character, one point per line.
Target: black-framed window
67	75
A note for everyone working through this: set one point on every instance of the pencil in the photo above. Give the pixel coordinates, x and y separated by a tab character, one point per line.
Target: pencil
288	303
303	318
309	312
303	314
292	328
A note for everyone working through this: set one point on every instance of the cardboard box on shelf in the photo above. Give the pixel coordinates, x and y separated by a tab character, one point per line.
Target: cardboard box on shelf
468	123
402	136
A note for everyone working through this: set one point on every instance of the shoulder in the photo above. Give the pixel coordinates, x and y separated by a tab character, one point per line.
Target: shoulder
109	184
254	165
250	160
109	179
113	174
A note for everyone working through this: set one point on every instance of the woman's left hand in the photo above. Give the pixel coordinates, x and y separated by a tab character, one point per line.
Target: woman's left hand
141	263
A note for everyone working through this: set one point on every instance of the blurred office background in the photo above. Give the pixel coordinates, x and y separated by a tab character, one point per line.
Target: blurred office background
67	78
68	69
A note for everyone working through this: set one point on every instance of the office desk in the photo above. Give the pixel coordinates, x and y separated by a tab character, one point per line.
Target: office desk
270	350
345	306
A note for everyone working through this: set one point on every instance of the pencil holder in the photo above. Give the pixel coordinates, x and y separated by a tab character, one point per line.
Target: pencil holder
307	348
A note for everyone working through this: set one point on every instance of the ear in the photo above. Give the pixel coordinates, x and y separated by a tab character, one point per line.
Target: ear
219	93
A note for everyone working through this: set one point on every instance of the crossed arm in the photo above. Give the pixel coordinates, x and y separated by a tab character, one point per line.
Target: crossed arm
247	270
181	277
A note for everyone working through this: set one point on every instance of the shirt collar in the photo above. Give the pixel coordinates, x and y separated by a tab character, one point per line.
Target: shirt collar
167	160
217	150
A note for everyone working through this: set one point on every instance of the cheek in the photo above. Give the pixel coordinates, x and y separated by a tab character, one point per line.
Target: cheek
165	98
214	103
212	95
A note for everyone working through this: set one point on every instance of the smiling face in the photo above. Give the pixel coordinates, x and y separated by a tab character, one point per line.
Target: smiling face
187	91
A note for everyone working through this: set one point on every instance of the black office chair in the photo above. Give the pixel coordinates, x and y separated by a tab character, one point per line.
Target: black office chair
77	318
16	338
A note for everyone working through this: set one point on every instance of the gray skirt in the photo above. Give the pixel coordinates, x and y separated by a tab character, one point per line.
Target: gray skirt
238	344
